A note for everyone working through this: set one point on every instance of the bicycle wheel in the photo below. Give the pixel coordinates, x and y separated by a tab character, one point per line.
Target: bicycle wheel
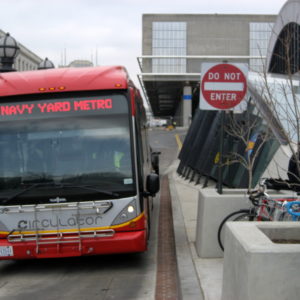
247	216
239	215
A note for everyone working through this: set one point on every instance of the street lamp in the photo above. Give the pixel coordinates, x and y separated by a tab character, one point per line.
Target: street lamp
8	51
46	64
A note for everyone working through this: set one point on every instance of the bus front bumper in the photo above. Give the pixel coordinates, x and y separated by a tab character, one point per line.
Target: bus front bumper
119	242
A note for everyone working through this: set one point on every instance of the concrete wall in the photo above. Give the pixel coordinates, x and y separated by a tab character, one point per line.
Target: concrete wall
255	268
207	34
212	209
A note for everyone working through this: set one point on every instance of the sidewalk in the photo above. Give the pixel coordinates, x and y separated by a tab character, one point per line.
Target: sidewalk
200	278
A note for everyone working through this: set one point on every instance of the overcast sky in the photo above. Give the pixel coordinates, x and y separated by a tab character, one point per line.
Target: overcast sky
110	28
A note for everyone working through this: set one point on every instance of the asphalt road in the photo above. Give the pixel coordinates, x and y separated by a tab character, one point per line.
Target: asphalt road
165	142
124	277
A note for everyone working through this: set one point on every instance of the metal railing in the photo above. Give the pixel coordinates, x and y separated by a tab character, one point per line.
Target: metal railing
199	57
99	207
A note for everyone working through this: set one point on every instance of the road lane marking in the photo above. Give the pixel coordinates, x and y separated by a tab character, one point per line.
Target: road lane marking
179	143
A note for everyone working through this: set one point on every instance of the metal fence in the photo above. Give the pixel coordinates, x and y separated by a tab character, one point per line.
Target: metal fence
199	155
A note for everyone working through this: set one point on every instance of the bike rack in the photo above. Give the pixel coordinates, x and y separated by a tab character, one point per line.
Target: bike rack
59	237
100	207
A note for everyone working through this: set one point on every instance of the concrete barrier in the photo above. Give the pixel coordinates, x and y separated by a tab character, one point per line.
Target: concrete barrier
212	209
256	268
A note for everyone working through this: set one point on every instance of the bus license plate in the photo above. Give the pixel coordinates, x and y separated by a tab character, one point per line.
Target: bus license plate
6	251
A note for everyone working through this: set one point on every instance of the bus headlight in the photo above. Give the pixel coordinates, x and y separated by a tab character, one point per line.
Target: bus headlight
127	214
130	209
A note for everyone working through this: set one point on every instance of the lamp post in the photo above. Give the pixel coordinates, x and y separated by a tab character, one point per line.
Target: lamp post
46	64
8	51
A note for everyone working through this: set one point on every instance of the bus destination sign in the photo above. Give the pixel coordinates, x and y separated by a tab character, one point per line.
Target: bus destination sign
47	107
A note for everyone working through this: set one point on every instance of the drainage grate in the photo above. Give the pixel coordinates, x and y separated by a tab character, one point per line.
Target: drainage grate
167	281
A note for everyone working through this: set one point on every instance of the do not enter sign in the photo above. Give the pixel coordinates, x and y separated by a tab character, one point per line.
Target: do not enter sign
223	86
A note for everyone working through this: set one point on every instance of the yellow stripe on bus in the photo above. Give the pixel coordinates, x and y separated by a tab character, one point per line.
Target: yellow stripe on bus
76	230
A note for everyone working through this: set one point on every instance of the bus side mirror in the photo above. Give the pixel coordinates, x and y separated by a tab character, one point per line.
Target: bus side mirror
155	161
152	184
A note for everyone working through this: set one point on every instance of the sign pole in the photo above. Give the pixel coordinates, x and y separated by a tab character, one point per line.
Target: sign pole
220	167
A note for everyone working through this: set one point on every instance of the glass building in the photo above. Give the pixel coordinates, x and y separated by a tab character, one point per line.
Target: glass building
175	46
259	36
169	39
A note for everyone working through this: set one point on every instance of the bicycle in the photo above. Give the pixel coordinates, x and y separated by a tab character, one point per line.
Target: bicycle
247	214
264	208
293	208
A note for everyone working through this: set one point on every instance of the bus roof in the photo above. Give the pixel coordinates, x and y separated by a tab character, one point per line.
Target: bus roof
63	80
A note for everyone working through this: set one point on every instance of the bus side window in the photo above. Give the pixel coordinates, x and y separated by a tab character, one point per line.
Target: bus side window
140	155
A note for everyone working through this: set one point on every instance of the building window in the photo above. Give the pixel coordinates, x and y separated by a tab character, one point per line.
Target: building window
260	34
286	53
169	39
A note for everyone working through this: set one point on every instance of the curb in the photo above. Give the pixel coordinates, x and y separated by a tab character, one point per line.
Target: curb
189	281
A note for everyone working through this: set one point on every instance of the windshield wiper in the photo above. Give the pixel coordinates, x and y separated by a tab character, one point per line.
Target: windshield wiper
31	187
32	178
58	185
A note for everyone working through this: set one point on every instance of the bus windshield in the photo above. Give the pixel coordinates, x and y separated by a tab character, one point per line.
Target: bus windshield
71	142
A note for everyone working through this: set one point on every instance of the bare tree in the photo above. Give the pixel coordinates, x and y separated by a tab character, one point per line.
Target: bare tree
280	94
251	131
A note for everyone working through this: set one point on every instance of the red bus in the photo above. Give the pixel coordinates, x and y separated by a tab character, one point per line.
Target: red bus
75	164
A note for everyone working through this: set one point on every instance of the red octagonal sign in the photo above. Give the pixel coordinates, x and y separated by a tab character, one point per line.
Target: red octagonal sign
223	86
